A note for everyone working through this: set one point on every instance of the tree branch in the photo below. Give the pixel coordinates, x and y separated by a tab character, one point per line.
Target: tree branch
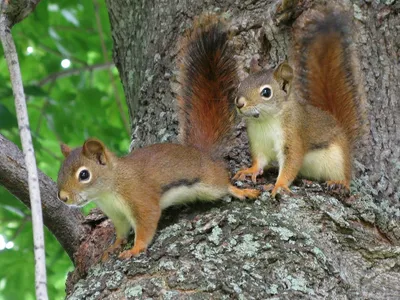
63	221
56	52
17	10
70	72
10	53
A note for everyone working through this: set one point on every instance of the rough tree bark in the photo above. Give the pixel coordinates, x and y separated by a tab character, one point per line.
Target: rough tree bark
146	55
309	246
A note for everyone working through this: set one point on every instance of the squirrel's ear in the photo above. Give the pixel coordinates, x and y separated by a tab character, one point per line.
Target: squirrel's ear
284	75
94	149
254	66
284	72
65	150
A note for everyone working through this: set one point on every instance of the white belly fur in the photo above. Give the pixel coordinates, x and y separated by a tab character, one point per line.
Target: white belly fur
265	140
324	164
185	194
117	210
266	145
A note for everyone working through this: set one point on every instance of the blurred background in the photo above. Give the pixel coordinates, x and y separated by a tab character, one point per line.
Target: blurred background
73	92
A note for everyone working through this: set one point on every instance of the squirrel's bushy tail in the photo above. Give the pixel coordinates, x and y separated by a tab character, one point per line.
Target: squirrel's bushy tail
208	79
328	73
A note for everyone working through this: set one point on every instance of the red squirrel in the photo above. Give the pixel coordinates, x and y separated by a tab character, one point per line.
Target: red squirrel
309	117
134	189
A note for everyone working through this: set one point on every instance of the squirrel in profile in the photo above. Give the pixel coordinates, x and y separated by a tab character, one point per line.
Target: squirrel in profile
134	189
307	118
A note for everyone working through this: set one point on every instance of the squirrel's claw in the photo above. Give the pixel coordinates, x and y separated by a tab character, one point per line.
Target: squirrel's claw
243	193
105	256
135	251
116	245
278	189
253	171
339	186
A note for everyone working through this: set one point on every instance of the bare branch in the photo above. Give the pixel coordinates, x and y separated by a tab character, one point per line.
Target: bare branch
17	10
63	221
70	72
56	52
10	53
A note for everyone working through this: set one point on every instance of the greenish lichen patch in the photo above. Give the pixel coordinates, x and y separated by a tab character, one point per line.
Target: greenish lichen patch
231	219
170	295
215	236
247	248
284	233
79	292
319	254
114	280
240	250
204	252
272	289
173	250
133	292
299	284
167	265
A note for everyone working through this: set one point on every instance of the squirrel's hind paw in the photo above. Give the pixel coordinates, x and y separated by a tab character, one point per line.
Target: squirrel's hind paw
252	171
243	193
135	251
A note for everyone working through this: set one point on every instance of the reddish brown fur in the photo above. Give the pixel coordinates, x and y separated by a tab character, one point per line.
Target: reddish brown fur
327	69
132	190
308	125
208	79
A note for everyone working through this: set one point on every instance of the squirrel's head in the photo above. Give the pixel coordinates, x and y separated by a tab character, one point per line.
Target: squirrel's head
85	172
263	91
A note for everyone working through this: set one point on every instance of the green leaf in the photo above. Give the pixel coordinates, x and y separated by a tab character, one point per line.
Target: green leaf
5	92
68	109
32	90
7	119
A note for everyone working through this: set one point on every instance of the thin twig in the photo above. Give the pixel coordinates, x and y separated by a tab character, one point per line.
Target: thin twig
112	79
11	56
70	72
73	28
55	52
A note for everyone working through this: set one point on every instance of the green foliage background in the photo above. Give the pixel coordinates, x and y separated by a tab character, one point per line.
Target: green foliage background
70	109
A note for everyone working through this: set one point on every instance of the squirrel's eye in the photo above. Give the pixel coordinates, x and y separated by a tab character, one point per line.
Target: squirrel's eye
266	92
84	175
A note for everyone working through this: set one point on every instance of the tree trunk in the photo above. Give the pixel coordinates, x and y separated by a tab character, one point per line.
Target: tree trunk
307	246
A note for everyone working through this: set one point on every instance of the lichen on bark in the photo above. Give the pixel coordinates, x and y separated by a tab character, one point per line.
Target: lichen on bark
312	245
309	245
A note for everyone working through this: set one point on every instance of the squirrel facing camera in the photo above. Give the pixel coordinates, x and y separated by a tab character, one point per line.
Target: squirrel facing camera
134	189
309	117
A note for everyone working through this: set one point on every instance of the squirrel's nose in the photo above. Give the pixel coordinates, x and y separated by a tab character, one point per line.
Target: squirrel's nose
240	102
63	196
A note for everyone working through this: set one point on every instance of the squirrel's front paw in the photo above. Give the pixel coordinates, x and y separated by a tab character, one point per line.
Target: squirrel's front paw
279	188
105	256
117	244
135	251
338	186
253	172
